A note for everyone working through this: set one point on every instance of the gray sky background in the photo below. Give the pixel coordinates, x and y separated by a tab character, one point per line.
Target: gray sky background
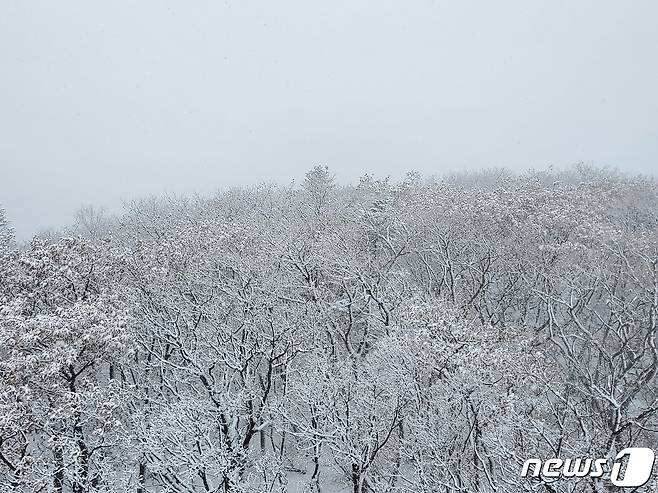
103	101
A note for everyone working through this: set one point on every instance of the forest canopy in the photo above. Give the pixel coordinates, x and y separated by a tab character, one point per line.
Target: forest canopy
427	335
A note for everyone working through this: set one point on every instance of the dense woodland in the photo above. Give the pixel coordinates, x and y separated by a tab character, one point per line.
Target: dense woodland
422	336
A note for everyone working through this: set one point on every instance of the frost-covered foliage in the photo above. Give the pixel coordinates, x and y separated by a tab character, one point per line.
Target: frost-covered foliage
424	336
62	330
6	234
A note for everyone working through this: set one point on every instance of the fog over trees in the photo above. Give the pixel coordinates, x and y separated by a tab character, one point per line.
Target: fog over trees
424	336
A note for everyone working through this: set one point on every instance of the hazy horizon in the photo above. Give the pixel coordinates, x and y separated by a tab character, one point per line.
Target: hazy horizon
103	102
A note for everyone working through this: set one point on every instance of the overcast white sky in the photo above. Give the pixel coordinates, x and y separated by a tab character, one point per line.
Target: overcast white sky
103	101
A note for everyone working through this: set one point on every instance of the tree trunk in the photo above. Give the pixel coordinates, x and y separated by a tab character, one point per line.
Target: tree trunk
58	477
357	483
141	477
